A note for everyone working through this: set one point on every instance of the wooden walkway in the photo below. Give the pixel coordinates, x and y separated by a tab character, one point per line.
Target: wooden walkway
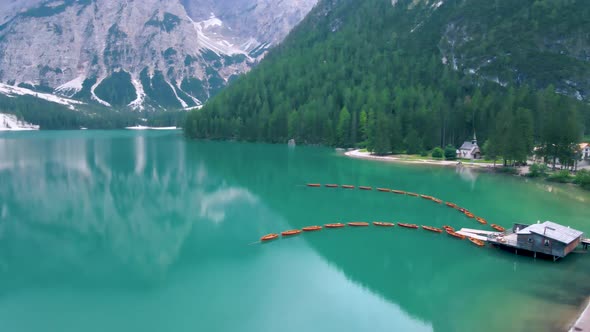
473	235
508	240
478	231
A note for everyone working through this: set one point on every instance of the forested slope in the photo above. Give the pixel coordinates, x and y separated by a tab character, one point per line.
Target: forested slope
49	115
400	78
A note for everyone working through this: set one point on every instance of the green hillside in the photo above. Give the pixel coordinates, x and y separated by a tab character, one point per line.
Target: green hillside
412	76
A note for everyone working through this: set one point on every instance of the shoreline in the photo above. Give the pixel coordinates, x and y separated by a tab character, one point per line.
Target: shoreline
140	127
582	320
391	158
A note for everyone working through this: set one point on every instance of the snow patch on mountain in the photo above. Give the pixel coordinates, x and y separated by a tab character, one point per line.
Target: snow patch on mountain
72	87
137	104
195	100
213	41
198	107
211	22
94	96
249	44
12	91
9	122
182	102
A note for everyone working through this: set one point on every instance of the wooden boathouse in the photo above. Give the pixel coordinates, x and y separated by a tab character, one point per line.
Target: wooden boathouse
547	238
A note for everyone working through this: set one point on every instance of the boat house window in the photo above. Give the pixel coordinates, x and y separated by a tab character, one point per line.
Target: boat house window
530	240
546	243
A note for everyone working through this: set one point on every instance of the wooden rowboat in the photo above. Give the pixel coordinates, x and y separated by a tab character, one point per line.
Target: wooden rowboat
432	229
448	228
365	188
401	224
383	224
384	190
314	185
477	242
457	235
269	237
334	225
398	192
462	210
481	220
358	223
347	186
291	232
469	214
436	200
498	227
449	204
412	194
331	185
311	228
426	197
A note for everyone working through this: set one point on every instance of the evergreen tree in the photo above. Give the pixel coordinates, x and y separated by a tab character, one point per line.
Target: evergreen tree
413	142
382	142
522	134
343	130
490	150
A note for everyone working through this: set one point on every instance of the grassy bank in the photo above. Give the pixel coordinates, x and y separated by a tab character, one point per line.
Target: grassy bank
581	177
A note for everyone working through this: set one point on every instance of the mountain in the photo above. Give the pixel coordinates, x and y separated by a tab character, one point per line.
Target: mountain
9	122
410	75
154	54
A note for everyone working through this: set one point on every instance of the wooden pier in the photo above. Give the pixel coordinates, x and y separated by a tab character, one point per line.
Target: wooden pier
474	233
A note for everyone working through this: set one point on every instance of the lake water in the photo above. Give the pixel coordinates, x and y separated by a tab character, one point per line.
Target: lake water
146	231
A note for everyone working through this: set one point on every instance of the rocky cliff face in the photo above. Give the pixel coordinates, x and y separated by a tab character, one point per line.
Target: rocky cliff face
253	21
148	53
8	8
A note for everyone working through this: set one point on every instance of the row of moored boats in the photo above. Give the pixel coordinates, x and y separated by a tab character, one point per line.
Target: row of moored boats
448	229
466	212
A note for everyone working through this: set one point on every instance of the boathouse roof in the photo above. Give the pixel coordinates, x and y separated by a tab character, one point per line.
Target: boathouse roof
553	231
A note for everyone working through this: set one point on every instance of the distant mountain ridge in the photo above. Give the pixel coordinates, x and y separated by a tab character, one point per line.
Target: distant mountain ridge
150	54
410	75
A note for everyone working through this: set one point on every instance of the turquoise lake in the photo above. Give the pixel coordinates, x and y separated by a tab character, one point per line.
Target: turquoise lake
149	231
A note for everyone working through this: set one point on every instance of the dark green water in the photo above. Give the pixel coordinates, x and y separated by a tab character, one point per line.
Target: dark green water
138	231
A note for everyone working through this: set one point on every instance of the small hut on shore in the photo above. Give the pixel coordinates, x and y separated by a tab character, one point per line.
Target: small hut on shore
585	151
469	150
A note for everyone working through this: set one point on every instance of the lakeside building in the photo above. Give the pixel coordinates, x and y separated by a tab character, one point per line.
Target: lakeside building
547	239
585	151
581	152
469	150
